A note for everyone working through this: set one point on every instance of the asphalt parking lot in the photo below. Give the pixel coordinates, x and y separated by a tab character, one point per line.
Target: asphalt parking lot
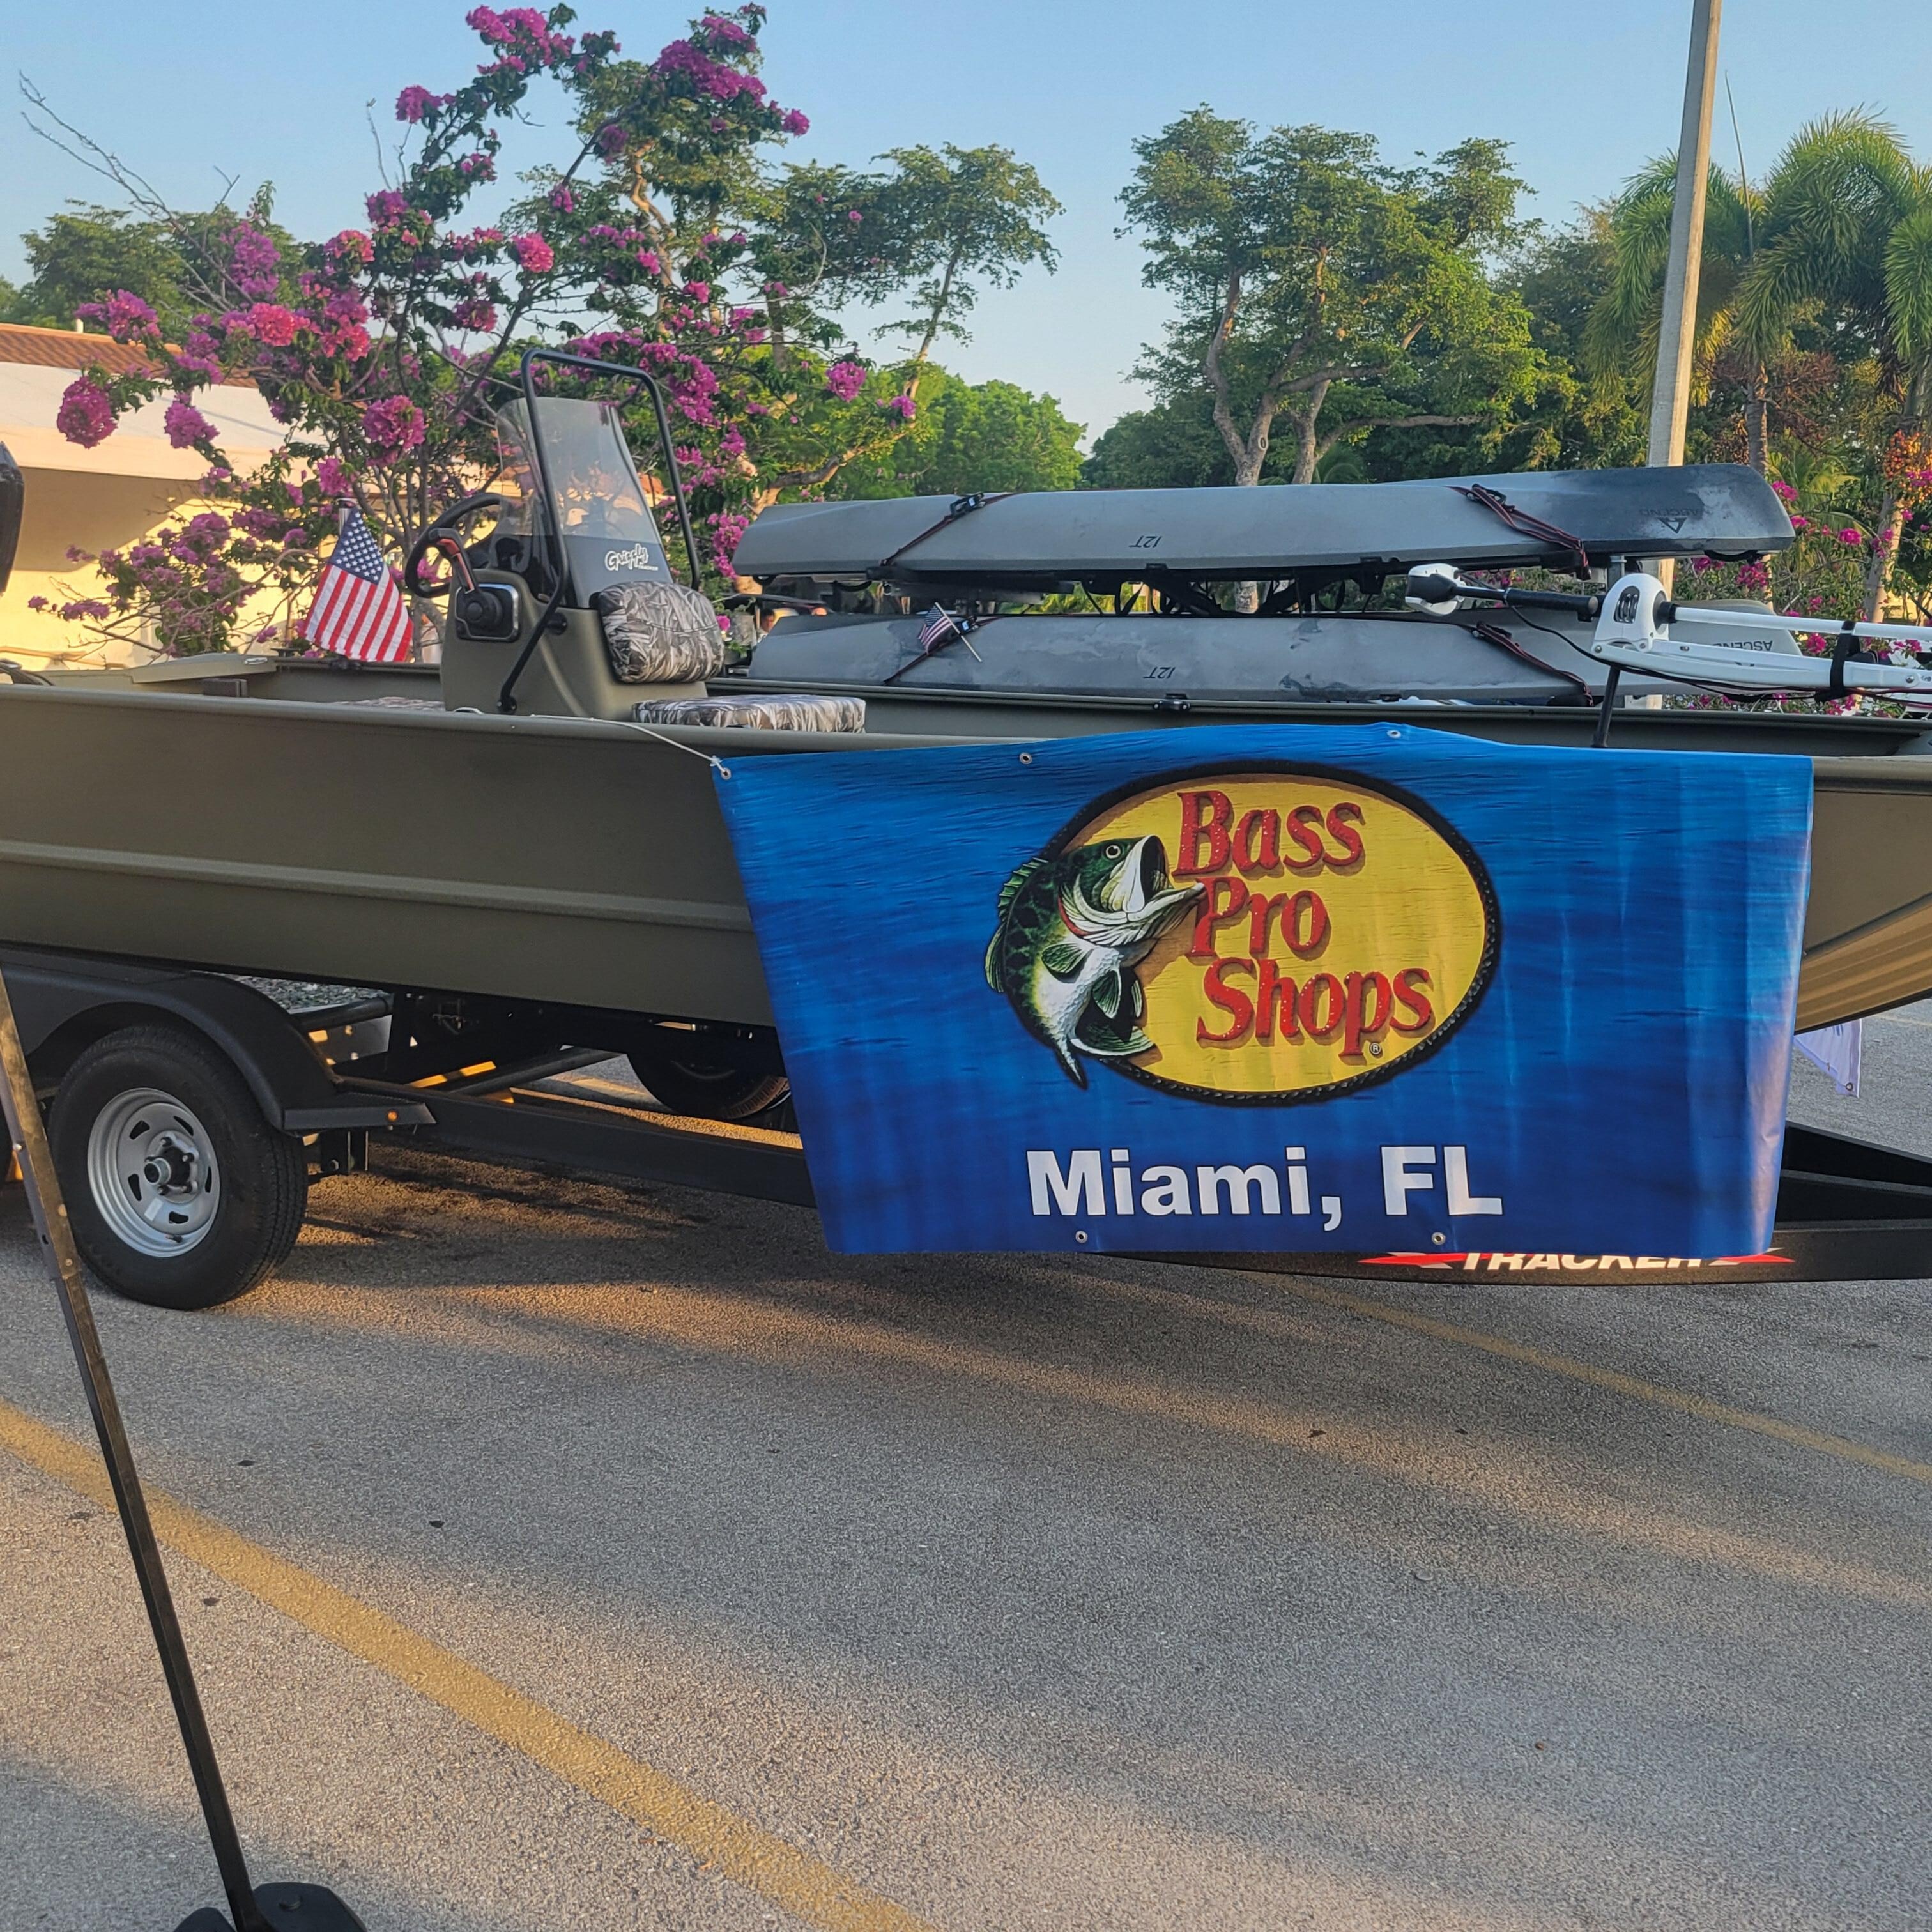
557	1553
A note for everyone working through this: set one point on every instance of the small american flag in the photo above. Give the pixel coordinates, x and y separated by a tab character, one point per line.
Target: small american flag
358	611
937	631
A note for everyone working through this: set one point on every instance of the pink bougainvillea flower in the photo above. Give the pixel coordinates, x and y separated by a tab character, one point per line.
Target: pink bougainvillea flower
534	254
85	415
185	424
698	291
904	407
273	324
257	260
477	315
845	379
394	426
124	315
561	199
795	123
331	477
413	103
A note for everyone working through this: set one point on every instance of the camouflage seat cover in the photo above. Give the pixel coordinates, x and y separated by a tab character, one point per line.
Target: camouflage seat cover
660	633
786	712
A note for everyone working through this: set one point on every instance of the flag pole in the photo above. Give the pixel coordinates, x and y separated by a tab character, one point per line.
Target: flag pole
1677	334
20	1106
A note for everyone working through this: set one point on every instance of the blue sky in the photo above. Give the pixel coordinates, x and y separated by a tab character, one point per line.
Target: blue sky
1584	92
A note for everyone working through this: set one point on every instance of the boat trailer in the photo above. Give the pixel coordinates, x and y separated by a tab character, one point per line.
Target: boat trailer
319	1067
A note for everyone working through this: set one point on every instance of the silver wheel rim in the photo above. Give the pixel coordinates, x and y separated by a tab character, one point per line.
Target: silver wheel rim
152	1170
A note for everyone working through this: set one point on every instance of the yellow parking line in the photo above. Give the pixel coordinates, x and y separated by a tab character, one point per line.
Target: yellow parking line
1701	1406
739	1849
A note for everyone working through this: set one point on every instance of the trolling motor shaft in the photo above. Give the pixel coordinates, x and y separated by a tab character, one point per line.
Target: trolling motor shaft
1640	628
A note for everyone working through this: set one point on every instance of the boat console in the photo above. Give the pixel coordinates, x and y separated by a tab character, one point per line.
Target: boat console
567	605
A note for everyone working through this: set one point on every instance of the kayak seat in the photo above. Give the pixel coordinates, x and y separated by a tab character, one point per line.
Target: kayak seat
780	712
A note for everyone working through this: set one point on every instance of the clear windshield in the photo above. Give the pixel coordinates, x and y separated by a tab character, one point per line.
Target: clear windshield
597	503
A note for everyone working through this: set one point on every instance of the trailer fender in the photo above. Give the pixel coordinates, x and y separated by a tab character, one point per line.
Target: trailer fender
64	1003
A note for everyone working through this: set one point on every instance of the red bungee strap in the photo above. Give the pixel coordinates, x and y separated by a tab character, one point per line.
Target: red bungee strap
1524	525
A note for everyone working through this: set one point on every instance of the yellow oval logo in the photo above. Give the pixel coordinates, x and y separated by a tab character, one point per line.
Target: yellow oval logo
1257	934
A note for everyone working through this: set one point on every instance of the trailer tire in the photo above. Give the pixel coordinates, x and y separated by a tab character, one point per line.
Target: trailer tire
704	1087
179	1193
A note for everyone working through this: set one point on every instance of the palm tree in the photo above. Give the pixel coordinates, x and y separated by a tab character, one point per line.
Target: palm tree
1846	237
1622	332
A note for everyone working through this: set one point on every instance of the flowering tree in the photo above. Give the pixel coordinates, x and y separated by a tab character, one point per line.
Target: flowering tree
655	239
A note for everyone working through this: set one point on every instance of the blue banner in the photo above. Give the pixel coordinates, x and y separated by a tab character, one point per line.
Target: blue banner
1286	989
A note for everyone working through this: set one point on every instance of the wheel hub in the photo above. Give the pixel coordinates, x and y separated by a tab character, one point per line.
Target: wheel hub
152	1170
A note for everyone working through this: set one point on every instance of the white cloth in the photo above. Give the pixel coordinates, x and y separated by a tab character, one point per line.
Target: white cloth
1835	1049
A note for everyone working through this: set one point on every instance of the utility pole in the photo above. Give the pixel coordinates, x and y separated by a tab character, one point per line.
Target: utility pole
1670	399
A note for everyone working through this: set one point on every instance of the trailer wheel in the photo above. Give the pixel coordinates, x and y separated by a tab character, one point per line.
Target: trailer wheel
180	1194
690	1082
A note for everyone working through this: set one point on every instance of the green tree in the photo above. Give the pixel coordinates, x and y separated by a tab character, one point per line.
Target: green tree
952	219
982	436
1585	417
1174	445
1622	333
85	254
1846	241
661	237
1317	287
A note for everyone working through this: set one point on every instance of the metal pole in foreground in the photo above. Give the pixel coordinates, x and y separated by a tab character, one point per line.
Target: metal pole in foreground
27	1135
1670	396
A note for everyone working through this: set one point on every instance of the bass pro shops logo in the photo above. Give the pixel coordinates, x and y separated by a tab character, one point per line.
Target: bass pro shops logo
1255	935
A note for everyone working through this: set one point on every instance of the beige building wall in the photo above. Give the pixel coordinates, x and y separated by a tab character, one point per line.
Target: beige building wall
94	499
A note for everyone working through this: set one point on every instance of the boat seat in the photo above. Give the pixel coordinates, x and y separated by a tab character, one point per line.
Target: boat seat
780	712
663	634
660	633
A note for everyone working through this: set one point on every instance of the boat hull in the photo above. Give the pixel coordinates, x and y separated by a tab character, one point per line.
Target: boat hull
585	863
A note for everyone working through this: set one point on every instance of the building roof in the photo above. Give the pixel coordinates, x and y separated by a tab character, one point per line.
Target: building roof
37	365
69	349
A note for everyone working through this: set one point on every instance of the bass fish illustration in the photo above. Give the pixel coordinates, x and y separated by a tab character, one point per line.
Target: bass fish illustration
1073	925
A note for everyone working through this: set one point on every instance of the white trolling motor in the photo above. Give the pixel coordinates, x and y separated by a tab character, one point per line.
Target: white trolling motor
1640	629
